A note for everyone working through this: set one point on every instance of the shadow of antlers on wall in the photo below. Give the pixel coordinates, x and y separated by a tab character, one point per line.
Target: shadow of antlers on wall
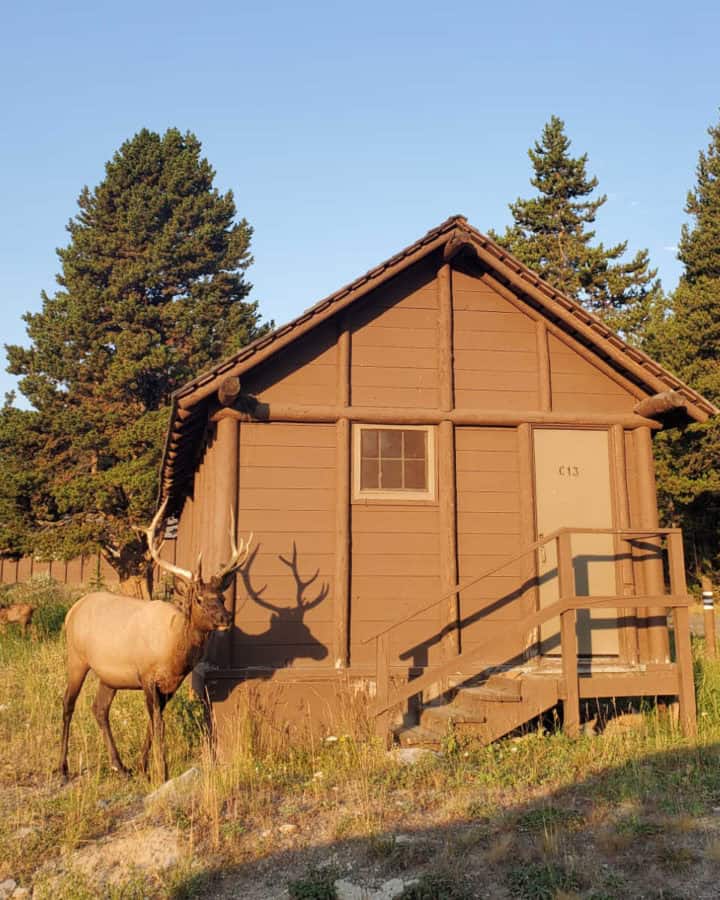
288	637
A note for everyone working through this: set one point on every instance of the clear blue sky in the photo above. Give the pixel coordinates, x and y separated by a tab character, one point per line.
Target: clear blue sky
348	130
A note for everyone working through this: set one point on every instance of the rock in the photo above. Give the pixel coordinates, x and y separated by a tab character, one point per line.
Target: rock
409	756
346	890
404	840
287	828
176	791
21	893
150	849
7	888
24	832
390	889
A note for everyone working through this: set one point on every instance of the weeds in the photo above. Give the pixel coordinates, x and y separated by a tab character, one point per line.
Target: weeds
541	881
316	884
520	813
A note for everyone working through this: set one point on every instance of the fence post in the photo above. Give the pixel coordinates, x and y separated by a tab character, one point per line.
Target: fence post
568	637
382	685
709	618
683	649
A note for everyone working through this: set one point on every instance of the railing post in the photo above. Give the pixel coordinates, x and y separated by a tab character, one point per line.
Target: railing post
709	618
382	685
568	637
683	649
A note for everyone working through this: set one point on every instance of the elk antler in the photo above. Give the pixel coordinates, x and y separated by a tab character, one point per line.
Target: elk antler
155	548
238	556
256	594
303	585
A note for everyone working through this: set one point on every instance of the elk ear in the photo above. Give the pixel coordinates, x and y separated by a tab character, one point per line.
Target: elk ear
180	586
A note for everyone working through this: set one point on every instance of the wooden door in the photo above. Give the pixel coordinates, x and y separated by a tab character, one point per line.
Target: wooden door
573	489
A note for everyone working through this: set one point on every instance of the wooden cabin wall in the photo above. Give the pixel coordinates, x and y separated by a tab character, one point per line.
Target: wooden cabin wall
394	344
286	497
490	531
579	386
495	349
505	358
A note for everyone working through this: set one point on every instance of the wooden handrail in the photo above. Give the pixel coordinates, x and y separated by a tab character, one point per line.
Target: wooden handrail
566	608
632	533
519	631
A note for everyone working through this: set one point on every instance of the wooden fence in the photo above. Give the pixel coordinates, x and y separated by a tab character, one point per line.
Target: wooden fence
82	570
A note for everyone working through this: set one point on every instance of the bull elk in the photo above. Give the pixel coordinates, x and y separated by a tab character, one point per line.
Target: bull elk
134	644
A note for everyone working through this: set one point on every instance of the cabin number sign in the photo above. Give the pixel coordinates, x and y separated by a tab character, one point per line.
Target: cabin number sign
569	471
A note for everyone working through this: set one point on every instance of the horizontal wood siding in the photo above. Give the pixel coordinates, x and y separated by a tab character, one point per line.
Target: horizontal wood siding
395	570
578	386
496	363
286	495
304	373
489	531
394	344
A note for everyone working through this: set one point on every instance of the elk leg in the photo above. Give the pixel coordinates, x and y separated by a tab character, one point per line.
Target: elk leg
76	677
155	701
101	710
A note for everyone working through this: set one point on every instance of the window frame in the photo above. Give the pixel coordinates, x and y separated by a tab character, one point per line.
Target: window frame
429	495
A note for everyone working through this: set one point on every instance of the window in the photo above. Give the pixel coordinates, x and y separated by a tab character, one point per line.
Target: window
394	462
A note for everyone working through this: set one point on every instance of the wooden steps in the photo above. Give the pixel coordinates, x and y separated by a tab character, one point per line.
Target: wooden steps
482	713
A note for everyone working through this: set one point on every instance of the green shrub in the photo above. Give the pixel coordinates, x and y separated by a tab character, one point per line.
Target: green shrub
316	884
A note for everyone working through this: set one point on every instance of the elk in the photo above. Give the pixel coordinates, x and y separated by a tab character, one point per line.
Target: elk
134	644
21	613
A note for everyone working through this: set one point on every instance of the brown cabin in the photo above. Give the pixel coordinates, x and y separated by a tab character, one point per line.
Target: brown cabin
447	466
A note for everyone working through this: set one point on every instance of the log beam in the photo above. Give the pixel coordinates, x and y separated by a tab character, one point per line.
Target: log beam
229	390
284	412
660	404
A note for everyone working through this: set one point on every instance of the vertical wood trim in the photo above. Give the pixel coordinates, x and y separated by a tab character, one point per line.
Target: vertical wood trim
528	526
626	585
568	637
225	502
447	486
445	337
638	569
683	650
544	377
341	605
343	365
658	643
382	684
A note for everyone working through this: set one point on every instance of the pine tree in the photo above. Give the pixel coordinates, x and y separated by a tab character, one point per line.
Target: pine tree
152	291
551	234
688	342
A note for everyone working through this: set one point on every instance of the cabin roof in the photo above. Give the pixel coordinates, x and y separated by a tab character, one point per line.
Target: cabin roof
189	401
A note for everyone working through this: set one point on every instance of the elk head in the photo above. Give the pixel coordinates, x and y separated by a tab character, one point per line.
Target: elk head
202	600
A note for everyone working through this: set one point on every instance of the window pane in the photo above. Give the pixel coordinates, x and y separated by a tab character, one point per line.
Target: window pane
369	474
391	443
415	474
391	474
414	444
369	443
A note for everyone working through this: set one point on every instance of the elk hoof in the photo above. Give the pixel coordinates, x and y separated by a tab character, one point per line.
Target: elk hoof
120	769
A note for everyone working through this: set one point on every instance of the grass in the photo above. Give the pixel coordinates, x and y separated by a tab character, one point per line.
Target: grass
626	814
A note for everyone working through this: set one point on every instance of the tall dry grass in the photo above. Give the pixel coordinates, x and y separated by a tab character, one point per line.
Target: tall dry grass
538	791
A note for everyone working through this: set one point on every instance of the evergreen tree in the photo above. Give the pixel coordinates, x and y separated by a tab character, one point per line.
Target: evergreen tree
152	291
688	342
551	234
